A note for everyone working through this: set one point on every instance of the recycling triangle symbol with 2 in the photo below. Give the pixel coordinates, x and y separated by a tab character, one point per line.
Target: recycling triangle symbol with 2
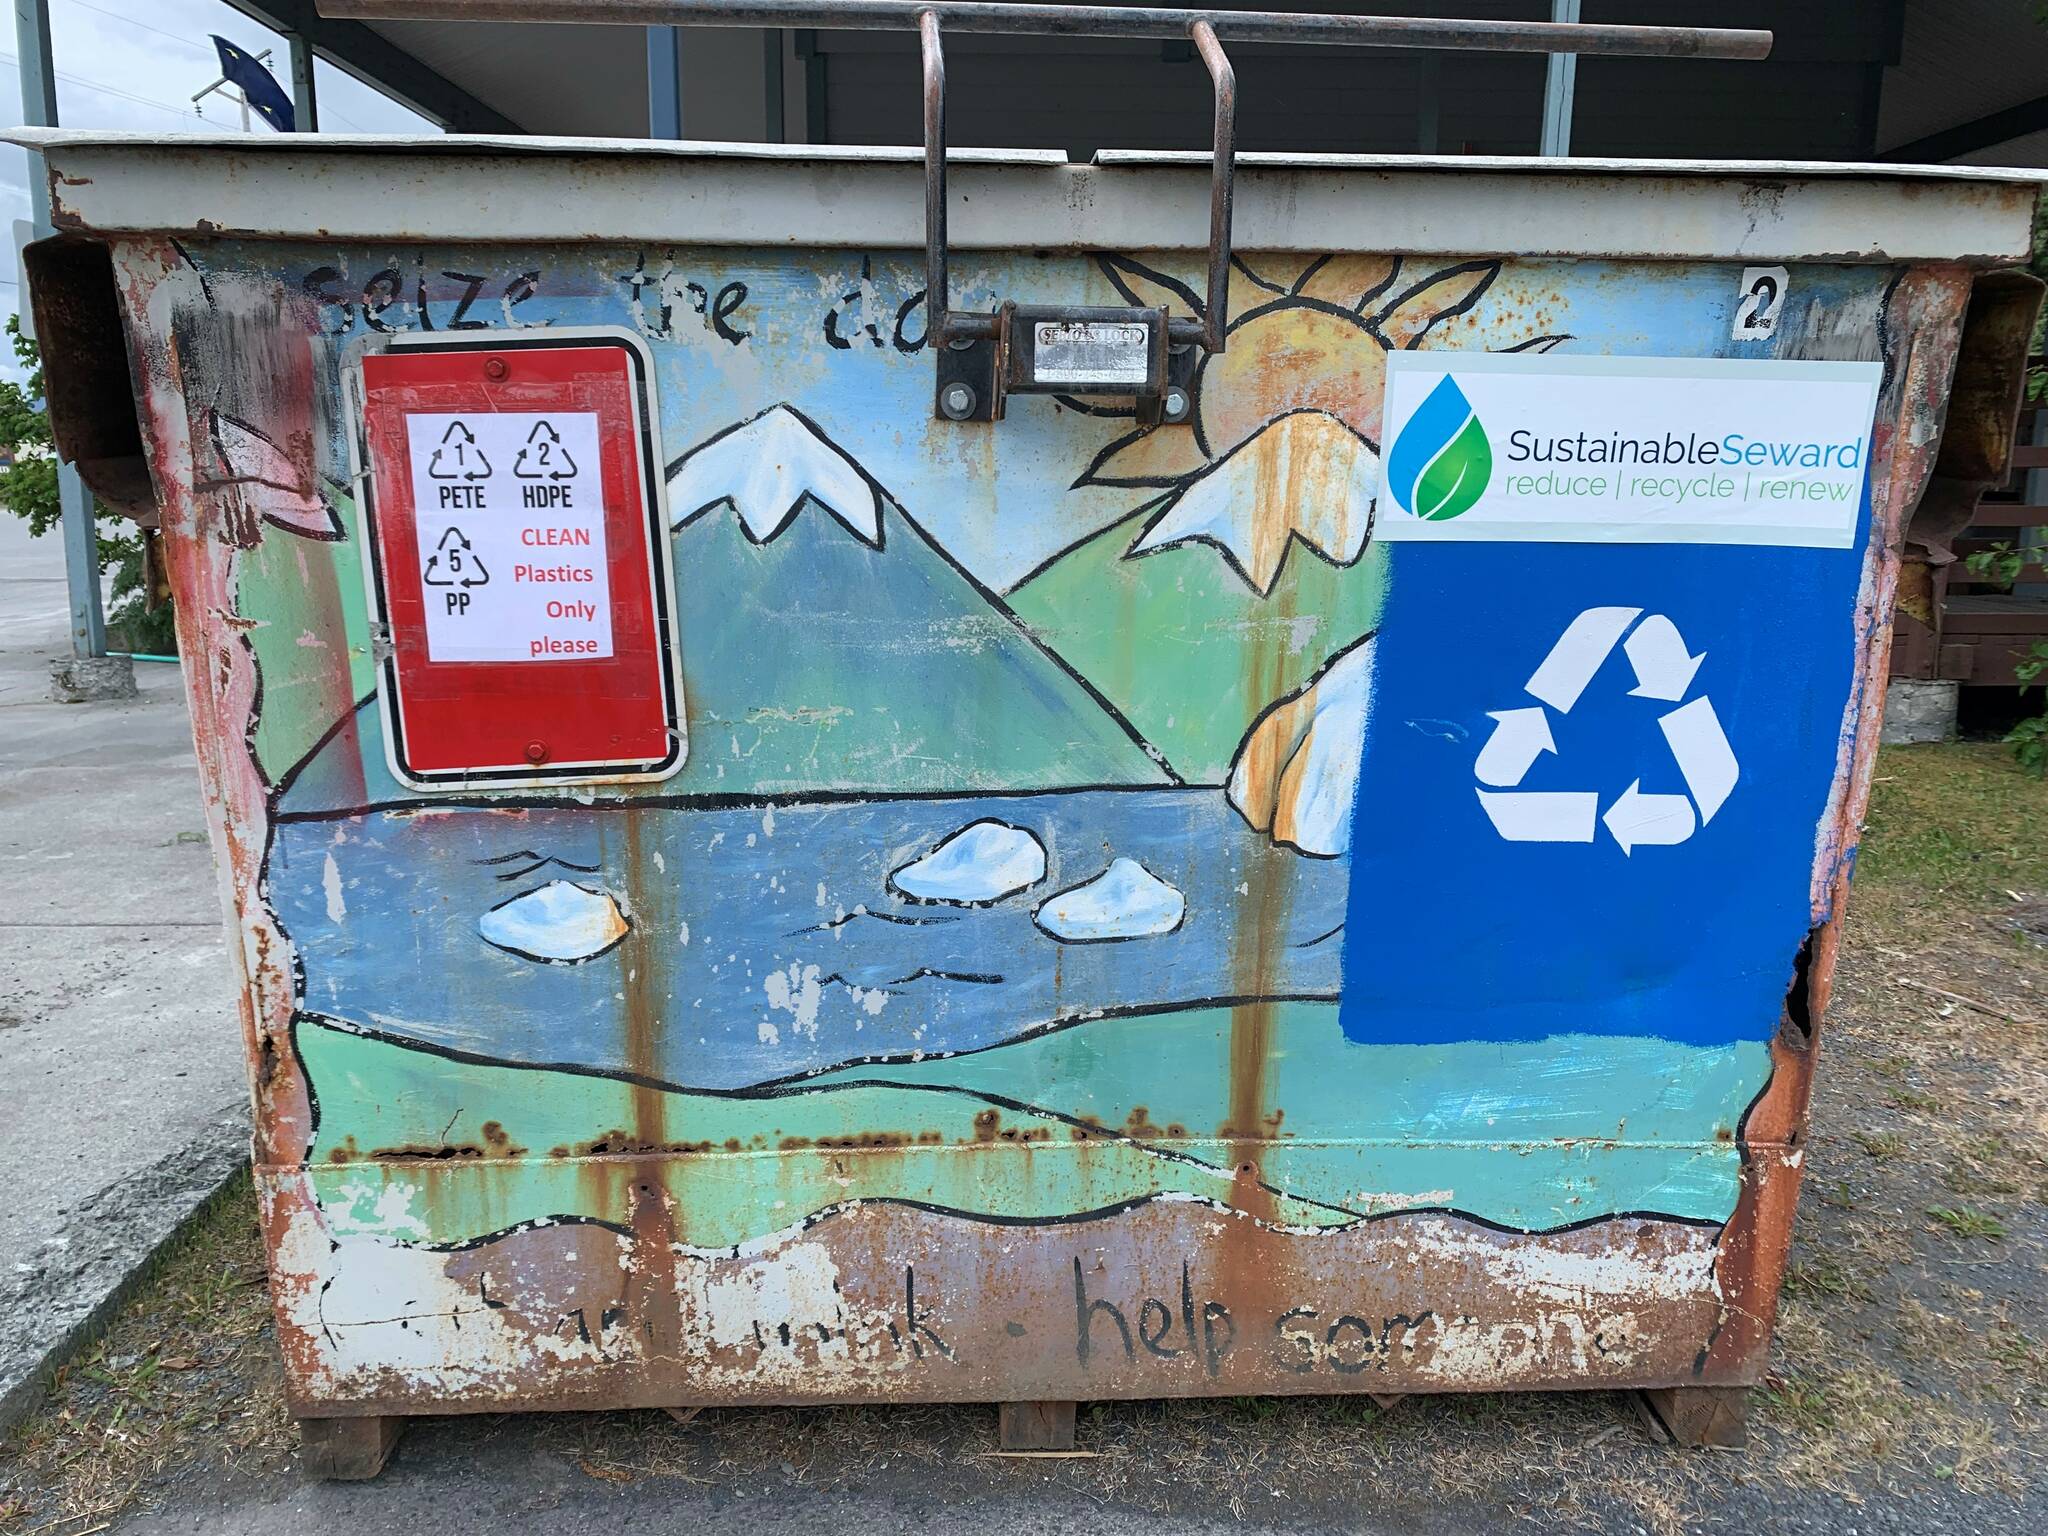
1665	671
544	457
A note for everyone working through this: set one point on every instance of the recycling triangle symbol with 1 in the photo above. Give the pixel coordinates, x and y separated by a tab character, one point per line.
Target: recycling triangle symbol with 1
458	457
1664	670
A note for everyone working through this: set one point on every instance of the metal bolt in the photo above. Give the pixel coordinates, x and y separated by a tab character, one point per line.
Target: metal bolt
536	751
957	401
494	368
1176	403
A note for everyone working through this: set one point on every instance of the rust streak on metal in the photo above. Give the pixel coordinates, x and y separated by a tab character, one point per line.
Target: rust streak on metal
646	991
650	1293
1924	310
1261	921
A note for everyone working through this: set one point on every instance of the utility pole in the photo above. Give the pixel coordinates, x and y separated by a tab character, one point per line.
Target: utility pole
90	673
242	96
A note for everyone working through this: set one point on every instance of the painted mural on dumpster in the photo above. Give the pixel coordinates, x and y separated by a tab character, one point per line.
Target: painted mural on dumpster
1077	817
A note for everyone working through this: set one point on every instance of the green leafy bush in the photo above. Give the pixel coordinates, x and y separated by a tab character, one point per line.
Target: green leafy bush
28	488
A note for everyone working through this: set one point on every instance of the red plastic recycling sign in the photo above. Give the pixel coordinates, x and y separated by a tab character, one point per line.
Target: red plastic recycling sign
519	563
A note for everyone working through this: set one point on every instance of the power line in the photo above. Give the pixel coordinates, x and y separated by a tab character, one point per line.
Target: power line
145	101
108	90
203	50
139	26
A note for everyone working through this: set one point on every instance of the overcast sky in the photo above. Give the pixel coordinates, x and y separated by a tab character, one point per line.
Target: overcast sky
117	71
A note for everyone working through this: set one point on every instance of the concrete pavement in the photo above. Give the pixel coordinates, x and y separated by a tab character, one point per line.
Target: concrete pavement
121	1091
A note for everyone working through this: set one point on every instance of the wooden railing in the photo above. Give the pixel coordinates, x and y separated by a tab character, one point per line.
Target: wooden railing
1976	628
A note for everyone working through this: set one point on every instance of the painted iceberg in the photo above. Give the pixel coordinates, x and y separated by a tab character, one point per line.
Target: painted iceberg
1125	901
561	923
981	863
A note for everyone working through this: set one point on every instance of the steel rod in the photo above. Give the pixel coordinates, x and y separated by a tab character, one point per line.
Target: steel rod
1215	318
937	306
1091	21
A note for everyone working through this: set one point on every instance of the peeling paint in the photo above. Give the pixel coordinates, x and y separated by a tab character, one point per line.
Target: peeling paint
846	1143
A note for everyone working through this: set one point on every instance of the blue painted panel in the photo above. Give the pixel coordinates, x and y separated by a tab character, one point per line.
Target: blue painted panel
1458	934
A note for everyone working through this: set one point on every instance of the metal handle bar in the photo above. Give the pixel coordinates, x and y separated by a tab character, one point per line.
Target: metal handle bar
946	325
1091	21
1208	29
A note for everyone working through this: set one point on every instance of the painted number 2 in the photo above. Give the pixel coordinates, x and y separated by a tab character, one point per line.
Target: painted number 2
1761	301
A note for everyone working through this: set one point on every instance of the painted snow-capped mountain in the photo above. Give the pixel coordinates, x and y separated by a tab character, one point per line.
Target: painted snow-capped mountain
1305	476
848	652
765	468
1297	772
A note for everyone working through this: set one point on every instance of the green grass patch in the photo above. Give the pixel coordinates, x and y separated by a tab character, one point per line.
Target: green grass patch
1824	1276
1952	824
1967	1222
1882	1145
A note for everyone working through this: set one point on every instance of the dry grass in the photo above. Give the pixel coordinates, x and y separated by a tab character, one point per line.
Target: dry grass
1907	1349
1909	1354
187	1369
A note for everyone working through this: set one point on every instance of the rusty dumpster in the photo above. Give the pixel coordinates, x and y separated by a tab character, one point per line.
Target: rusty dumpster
787	843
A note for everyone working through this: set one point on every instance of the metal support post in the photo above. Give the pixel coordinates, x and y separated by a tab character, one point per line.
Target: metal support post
664	83
81	547
1429	104
772	105
1558	86
305	99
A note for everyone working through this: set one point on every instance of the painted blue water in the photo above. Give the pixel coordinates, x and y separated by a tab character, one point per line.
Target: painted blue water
767	943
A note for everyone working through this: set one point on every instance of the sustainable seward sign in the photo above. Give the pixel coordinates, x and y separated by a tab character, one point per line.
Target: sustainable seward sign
1502	446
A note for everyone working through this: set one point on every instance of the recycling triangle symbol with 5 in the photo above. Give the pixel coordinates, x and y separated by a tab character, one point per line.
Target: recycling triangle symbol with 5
1664	670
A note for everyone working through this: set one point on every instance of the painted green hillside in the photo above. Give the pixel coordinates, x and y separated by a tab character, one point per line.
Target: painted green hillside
1183	646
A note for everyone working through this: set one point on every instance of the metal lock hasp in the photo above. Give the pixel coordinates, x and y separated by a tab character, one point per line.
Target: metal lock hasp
1042	349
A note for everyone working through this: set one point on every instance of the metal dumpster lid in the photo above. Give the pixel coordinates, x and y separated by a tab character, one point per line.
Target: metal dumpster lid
1567	165
540	189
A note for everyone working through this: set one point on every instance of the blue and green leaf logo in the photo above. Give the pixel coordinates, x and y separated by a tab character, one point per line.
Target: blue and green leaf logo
1441	462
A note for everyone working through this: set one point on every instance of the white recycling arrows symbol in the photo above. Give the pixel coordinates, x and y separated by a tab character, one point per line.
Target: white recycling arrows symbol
1664	668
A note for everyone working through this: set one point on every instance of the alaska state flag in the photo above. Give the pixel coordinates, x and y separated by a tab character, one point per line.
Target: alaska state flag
266	97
